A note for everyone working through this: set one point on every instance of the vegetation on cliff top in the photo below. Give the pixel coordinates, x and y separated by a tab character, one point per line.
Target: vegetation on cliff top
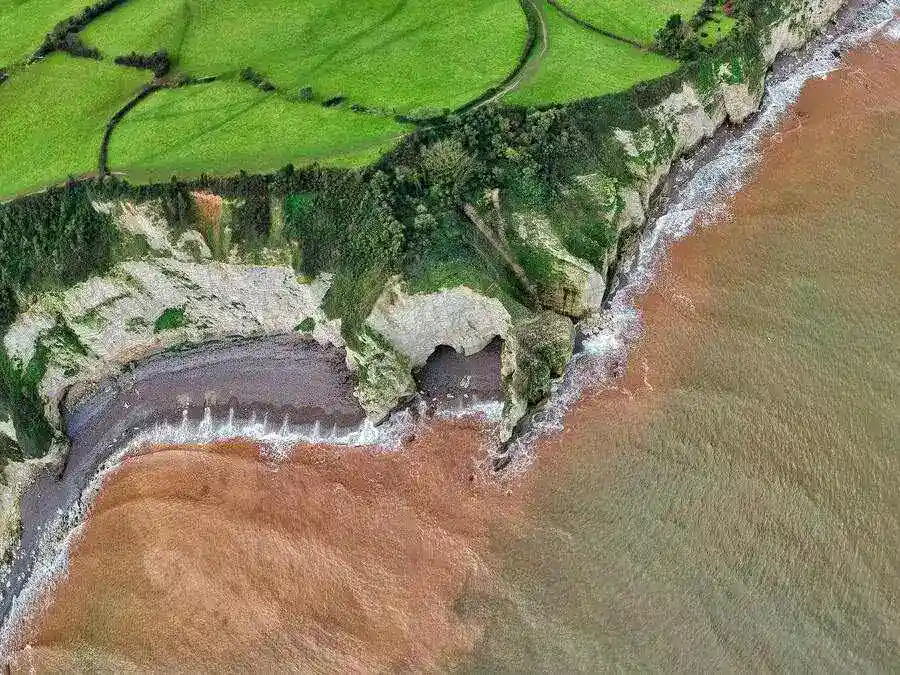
323	83
580	63
409	214
636	19
241	127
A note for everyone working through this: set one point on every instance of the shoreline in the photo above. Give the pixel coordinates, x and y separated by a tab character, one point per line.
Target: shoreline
140	532
739	476
851	9
239	390
692	194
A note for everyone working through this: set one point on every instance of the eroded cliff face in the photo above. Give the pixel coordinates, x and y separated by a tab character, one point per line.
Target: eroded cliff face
675	127
192	288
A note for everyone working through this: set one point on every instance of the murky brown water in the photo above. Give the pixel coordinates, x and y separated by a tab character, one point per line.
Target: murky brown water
733	504
216	558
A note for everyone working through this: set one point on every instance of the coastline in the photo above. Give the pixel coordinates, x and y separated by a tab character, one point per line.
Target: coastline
733	493
695	192
649	199
602	506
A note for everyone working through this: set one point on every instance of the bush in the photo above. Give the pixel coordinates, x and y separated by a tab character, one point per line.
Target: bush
251	76
50	240
172	318
670	37
64	36
19	391
159	62
73	44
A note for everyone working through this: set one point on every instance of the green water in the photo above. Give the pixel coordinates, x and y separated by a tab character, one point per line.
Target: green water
742	514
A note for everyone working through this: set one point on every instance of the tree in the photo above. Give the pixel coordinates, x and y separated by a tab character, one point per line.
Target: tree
670	37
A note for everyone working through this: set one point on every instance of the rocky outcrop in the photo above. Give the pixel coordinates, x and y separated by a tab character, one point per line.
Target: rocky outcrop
803	19
577	287
545	344
95	328
414	326
457	317
383	374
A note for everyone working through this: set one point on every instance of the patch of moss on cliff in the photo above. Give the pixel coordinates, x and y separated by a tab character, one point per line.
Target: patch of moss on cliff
308	325
20	391
171	319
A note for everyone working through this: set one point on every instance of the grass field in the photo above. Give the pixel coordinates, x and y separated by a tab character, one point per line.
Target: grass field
634	19
581	63
224	127
715	29
389	54
23	24
53	117
393	56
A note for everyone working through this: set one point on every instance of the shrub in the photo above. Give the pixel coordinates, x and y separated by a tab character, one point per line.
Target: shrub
49	240
172	318
63	36
159	62
257	80
308	325
670	37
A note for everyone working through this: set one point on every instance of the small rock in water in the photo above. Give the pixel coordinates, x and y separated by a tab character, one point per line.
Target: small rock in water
502	462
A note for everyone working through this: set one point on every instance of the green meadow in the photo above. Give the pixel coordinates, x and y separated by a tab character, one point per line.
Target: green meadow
633	19
718	27
430	54
23	24
581	63
385	60
53	118
225	127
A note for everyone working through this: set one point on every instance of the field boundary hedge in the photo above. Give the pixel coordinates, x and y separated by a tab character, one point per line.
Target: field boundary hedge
103	160
591	27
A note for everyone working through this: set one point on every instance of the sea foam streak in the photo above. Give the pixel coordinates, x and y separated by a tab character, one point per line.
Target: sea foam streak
709	183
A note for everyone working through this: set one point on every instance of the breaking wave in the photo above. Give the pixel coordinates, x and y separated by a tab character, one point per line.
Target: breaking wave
704	185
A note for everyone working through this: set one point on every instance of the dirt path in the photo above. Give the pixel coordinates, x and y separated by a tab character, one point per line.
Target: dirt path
531	63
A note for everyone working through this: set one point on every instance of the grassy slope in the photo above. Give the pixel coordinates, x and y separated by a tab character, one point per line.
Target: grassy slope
580	64
716	29
635	19
382	53
23	24
54	115
227	126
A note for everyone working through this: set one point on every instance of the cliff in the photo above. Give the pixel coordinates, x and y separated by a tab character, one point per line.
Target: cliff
550	268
